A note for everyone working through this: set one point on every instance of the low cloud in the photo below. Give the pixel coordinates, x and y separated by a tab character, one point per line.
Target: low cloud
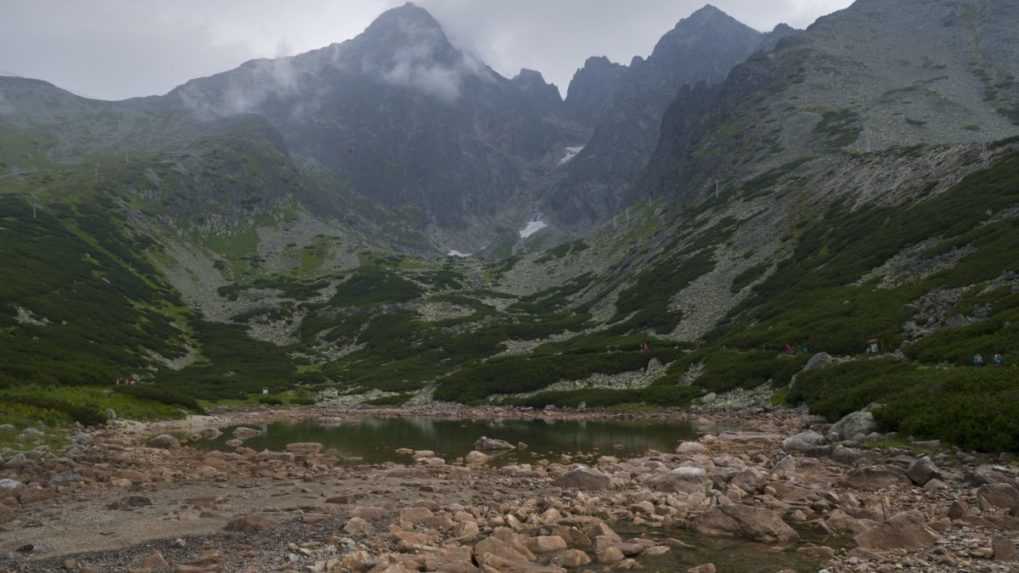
260	81
436	81
424	64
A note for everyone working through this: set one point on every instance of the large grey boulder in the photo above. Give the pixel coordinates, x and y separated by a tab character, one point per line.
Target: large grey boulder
584	478
818	361
847	456
854	427
906	530
164	442
988	474
747	522
684	479
998	496
807	443
873	478
922	471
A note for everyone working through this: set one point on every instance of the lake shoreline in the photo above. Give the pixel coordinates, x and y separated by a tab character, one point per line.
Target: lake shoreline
117	497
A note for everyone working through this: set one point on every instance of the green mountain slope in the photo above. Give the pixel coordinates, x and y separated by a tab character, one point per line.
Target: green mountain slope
837	193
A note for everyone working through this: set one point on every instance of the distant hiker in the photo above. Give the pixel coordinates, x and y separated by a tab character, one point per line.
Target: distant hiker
645	347
978	360
998	360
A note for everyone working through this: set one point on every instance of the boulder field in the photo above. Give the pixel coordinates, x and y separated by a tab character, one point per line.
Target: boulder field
143	498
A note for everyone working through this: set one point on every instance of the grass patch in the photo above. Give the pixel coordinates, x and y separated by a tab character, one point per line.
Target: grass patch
87	405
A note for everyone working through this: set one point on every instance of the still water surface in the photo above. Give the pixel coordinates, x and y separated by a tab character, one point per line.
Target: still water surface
375	440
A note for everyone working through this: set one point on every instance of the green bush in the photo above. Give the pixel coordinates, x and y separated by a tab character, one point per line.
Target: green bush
726	370
838	390
162	395
749	276
235	367
372	285
998	333
99	303
520	374
975	408
645	304
86	415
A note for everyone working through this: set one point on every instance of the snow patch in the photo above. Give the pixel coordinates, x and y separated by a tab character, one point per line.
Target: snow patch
570	153
458	254
532	228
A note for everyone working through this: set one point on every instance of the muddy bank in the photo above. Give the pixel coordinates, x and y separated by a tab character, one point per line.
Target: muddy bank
785	485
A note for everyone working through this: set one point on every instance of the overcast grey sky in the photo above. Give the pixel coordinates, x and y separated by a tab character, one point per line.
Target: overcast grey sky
114	49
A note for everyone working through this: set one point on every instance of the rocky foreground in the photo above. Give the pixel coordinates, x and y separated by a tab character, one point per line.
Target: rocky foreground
140	498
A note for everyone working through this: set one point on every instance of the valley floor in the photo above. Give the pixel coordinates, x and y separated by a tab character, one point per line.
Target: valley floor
116	502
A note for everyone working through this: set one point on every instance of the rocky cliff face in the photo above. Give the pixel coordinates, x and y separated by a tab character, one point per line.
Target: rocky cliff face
593	89
866	79
701	48
403	116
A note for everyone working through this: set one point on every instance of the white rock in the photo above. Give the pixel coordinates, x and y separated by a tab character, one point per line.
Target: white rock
9	484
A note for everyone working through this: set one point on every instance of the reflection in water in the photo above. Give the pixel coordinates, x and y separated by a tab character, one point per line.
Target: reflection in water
374	440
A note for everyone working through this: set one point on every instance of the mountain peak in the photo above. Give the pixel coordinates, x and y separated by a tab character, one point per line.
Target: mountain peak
599	62
532	83
709	24
708	11
409	22
409	13
407	35
530	77
708	15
